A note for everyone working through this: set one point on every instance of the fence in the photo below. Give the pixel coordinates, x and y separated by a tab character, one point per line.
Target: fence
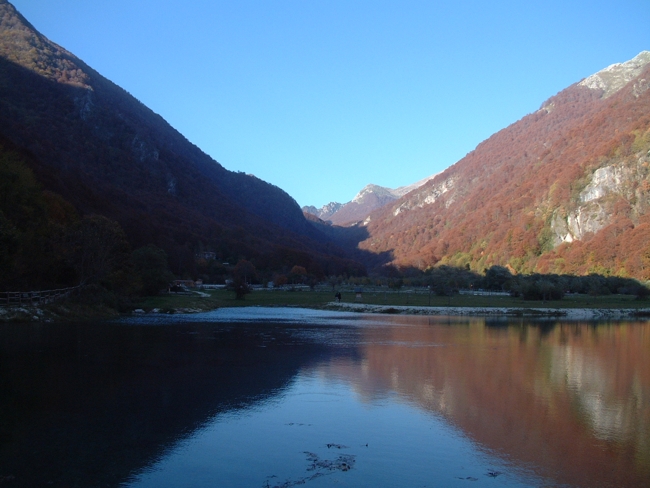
20	298
485	292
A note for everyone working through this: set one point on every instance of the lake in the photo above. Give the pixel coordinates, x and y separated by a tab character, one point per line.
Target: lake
273	397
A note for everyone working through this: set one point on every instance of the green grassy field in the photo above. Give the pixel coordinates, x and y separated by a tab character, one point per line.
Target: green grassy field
319	298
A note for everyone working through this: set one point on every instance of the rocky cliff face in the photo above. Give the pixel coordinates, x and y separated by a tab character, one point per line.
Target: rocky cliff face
325	212
427	195
623	179
618	177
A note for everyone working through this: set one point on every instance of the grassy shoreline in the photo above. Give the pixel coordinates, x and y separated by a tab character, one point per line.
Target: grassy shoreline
382	300
403	302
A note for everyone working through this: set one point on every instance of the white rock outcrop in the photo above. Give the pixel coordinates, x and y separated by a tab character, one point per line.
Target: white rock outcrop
616	76
427	196
591	213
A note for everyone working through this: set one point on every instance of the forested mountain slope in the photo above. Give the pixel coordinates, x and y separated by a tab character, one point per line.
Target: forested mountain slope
563	190
106	153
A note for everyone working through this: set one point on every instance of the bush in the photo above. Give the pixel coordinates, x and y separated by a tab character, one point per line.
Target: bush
536	288
642	292
151	267
240	287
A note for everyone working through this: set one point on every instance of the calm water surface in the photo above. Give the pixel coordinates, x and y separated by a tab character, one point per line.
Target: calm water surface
285	397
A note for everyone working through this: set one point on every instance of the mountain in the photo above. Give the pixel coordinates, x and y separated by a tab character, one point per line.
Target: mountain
370	198
325	212
98	147
563	190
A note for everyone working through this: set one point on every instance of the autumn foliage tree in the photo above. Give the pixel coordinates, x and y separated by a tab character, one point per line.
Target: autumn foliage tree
298	274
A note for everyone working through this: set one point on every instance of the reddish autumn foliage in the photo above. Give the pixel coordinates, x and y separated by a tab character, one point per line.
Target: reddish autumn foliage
502	203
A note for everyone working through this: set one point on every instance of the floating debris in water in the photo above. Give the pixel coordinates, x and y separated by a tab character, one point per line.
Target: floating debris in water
493	474
336	446
320	467
344	462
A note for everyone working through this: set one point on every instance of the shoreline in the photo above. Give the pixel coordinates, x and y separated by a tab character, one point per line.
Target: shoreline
62	313
567	313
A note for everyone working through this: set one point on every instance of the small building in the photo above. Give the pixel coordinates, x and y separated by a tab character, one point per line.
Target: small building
207	255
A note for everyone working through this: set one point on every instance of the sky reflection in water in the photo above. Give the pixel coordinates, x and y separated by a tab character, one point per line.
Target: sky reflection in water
442	402
386	442
285	397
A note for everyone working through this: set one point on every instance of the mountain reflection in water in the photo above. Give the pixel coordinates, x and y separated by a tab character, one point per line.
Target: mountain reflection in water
106	404
572	399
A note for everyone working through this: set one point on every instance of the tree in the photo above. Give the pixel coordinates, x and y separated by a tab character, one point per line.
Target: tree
395	284
97	247
244	271
151	266
497	277
240	288
8	248
298	274
539	287
280	280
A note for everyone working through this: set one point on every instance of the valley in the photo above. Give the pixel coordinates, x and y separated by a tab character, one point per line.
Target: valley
563	191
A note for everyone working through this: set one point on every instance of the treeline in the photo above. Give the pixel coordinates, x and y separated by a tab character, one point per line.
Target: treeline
45	243
448	280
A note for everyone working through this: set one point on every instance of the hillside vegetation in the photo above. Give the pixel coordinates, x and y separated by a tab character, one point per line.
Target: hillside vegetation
98	148
563	190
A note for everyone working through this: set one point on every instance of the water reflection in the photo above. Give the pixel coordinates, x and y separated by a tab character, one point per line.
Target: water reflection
233	401
573	400
88	405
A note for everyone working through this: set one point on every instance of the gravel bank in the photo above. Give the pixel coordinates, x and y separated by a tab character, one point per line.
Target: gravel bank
568	313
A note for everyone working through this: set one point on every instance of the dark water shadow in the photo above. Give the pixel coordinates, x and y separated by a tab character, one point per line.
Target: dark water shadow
91	405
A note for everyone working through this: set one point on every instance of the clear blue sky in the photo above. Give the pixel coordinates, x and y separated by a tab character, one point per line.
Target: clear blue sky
321	97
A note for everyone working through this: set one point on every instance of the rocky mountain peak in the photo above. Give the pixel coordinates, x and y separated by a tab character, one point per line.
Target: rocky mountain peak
376	191
370	198
614	77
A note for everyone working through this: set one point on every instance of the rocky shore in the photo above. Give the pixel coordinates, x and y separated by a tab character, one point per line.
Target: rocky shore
56	313
567	313
62	312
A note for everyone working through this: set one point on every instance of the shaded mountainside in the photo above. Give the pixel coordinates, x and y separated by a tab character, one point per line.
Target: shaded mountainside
563	190
106	153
